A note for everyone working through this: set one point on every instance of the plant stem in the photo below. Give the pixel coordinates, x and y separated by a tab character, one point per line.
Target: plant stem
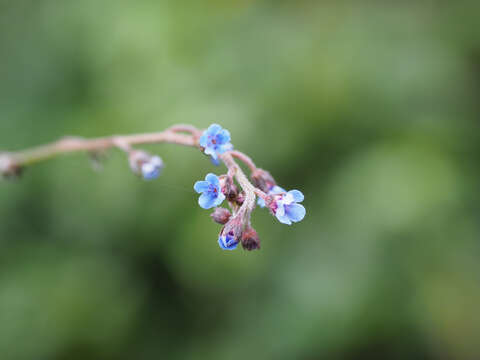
173	135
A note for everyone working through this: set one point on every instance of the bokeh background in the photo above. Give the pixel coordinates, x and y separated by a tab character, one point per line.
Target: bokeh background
371	108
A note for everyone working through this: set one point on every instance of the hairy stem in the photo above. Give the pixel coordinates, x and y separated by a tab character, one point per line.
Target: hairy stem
249	202
73	144
173	135
245	159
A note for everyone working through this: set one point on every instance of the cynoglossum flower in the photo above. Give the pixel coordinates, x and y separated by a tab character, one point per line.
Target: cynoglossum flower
152	168
144	164
286	207
232	233
227	241
274	190
215	141
211	192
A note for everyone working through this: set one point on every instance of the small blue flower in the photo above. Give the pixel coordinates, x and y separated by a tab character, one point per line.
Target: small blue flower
215	140
211	192
287	207
274	190
227	242
152	168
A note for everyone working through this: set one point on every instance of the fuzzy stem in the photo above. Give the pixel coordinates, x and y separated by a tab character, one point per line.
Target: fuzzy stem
245	159
249	203
173	135
71	144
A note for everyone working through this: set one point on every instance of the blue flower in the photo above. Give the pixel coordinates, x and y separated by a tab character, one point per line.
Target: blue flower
215	140
274	190
211	192
152	168
227	242
287	207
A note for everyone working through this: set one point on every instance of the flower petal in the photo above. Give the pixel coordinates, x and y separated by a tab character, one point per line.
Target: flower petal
226	243
150	171
297	195
276	190
206	201
223	136
261	202
295	212
283	219
201	186
212	179
210	151
219	199
280	208
214	161
224	148
213	129
203	140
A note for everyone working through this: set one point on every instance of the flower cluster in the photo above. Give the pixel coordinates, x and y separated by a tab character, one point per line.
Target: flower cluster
234	187
284	205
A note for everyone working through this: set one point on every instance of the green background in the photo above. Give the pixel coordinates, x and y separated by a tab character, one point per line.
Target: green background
371	108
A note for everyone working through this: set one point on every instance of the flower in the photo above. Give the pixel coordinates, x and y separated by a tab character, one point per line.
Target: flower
145	165
228	241
231	233
211	192
215	141
287	209
152	168
274	190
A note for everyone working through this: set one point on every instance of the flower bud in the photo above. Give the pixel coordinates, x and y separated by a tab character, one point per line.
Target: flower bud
250	240
221	215
240	198
263	180
231	233
229	189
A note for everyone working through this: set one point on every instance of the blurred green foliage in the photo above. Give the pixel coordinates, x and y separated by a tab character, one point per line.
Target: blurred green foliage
369	107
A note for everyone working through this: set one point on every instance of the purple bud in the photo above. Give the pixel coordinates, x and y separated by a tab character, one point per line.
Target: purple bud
221	215
240	198
231	233
229	189
263	180
250	240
